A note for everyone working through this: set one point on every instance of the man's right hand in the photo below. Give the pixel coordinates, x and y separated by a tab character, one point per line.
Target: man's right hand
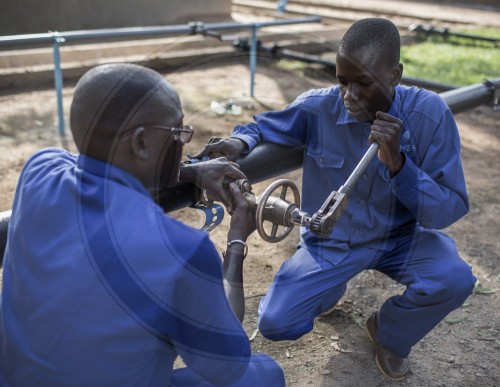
230	148
210	176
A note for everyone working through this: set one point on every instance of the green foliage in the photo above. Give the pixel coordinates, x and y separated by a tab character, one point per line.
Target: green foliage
480	289
290	65
453	60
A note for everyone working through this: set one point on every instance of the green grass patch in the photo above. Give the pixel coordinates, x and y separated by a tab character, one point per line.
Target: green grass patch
290	65
453	60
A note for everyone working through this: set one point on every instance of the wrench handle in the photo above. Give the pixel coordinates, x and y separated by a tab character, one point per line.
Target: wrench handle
360	169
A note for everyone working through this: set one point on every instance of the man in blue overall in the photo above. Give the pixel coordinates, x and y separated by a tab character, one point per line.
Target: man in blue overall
100	287
415	187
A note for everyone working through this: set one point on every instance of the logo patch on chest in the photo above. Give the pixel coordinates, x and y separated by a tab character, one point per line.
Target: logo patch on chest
407	146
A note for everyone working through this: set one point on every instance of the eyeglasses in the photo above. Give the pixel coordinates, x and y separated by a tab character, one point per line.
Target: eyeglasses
183	134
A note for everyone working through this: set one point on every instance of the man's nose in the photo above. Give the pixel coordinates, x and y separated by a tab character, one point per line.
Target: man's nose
352	93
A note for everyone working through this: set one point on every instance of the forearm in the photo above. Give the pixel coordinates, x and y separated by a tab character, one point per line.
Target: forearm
233	279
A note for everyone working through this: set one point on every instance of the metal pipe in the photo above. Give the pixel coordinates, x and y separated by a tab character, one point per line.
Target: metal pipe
253	59
58	81
281	53
427	84
469	97
281	6
269	160
141	32
428	29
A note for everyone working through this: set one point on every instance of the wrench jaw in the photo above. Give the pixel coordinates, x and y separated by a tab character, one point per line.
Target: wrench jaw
323	221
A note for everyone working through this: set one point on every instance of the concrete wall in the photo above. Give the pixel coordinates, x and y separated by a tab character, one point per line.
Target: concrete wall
35	16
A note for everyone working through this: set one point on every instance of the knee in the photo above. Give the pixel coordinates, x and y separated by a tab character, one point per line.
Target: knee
455	282
276	328
270	326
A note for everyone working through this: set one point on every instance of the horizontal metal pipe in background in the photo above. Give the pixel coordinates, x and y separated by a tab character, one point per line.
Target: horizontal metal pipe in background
469	97
427	29
140	32
270	160
278	52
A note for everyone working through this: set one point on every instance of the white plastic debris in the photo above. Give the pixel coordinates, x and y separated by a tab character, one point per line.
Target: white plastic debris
225	107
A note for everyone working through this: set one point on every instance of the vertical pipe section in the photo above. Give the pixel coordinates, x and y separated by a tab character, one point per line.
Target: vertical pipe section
281	6
58	80
253	58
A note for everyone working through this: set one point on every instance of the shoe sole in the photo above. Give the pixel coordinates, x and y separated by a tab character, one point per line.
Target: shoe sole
381	369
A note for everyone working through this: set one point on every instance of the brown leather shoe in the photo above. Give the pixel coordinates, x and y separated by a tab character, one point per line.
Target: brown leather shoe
390	364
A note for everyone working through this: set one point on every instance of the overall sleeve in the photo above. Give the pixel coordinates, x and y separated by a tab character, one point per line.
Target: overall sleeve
435	191
284	127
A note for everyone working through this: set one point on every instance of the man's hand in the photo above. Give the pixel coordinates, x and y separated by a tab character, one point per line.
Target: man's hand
230	148
243	216
209	175
386	131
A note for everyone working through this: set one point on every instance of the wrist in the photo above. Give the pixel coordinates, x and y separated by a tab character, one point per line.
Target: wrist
237	247
242	145
187	172
396	166
236	233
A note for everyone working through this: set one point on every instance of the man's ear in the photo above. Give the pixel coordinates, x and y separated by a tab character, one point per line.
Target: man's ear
397	74
139	143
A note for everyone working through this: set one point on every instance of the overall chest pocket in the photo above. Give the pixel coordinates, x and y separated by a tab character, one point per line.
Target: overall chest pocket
323	172
325	159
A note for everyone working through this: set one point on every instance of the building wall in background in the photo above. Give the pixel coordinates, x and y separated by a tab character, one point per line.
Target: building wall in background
36	16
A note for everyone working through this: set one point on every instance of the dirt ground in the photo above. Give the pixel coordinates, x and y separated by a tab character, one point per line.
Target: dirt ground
463	350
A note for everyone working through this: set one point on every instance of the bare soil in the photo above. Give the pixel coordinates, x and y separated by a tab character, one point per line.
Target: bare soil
463	350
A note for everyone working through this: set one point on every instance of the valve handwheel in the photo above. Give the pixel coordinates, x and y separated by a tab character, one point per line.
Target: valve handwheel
276	210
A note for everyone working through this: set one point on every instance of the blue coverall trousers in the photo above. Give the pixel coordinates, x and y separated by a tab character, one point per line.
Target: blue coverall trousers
437	281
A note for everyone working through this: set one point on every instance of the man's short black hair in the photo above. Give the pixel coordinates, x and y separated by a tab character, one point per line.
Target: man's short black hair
108	98
380	34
